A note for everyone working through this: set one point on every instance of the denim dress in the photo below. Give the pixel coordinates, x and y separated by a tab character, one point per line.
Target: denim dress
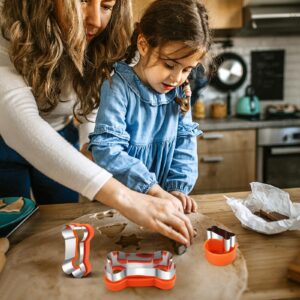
141	136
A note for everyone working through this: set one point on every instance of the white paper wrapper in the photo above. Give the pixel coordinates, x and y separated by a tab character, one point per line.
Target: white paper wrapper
267	198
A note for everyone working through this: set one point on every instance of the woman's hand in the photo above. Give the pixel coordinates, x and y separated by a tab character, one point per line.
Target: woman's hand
157	191
156	214
188	203
84	150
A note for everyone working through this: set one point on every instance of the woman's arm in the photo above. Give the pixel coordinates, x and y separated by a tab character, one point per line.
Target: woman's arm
24	130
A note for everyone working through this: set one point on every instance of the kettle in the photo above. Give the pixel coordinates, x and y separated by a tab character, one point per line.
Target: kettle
248	106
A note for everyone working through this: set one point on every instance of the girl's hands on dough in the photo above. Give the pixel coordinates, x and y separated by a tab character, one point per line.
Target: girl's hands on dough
160	215
188	203
157	191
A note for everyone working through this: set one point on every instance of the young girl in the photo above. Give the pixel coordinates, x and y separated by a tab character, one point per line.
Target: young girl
142	136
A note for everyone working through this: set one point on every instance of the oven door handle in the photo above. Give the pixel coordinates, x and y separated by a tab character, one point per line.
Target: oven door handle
289	150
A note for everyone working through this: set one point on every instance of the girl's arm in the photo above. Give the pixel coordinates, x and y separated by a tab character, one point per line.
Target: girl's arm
110	140
184	168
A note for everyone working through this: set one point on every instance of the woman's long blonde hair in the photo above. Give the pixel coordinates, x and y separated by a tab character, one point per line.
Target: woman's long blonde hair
46	58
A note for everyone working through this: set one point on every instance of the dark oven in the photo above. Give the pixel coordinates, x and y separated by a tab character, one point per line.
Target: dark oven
278	160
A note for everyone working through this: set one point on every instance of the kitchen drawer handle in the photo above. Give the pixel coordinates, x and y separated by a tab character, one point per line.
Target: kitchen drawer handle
213	136
282	151
212	159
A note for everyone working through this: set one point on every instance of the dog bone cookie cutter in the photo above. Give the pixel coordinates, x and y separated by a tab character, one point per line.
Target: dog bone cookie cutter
139	269
72	244
217	233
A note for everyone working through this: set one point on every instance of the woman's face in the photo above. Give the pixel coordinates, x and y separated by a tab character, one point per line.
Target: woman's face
96	15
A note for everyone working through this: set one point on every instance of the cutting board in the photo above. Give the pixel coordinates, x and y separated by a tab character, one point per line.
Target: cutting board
33	268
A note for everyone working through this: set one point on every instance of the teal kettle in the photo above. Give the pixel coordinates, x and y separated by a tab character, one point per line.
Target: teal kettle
248	106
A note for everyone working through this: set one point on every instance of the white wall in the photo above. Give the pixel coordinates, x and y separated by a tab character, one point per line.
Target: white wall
244	46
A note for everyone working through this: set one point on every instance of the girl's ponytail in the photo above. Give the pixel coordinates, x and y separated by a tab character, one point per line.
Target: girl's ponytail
131	50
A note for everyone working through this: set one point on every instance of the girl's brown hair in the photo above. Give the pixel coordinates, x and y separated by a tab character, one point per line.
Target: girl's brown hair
173	20
46	59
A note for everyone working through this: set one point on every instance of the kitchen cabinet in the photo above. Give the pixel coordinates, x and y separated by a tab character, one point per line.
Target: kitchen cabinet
225	14
226	161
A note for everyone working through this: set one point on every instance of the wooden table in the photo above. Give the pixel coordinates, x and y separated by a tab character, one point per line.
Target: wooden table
267	256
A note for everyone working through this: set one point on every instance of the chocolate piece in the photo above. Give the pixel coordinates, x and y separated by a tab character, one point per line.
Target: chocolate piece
221	232
178	248
215	232
271	216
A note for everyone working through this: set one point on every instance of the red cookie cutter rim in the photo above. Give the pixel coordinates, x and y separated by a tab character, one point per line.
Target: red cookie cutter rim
139	281
215	253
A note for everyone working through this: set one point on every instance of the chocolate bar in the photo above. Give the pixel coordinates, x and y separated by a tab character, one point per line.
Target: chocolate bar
271	216
215	232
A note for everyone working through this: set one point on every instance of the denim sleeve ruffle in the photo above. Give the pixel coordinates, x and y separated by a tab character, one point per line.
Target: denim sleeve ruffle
188	130
109	151
184	168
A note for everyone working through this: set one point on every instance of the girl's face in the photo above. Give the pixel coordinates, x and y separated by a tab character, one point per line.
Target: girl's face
163	69
96	15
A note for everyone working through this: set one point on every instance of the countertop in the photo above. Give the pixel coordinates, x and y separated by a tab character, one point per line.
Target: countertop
236	123
267	257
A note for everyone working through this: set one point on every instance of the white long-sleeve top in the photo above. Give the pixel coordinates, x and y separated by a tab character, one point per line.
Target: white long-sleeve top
34	135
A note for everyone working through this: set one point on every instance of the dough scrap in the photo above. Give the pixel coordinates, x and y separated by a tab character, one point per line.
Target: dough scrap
13	207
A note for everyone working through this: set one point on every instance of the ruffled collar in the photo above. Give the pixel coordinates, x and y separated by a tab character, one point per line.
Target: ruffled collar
146	93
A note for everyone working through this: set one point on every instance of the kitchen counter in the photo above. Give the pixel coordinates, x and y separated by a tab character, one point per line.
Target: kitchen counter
267	257
236	123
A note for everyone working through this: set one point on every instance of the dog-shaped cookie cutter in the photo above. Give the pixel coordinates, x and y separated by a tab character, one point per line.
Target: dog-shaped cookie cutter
72	244
229	238
139	269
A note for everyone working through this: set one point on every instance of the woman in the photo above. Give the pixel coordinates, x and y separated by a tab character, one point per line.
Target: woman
54	56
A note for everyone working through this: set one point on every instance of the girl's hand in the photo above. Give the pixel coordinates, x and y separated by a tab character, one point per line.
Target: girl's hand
156	214
188	203
158	192
84	150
